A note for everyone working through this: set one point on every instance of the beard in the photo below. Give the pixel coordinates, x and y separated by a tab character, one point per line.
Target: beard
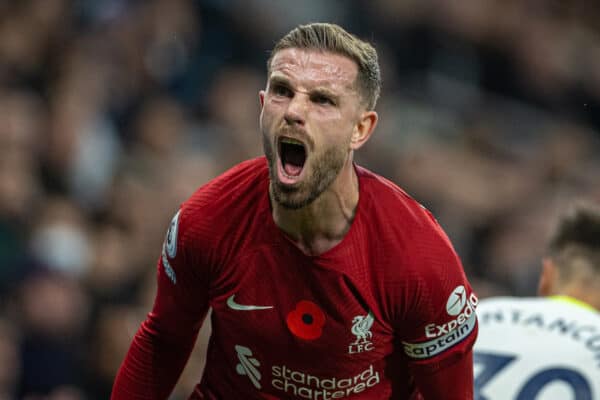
324	168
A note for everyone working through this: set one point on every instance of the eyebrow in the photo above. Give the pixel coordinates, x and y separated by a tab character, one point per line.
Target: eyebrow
321	91
279	80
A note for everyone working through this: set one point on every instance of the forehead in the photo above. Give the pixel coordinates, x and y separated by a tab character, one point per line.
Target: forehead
314	68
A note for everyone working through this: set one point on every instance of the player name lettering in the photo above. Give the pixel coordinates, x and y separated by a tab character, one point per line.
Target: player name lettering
587	335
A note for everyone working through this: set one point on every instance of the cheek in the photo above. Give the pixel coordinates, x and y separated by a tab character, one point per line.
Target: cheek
269	112
336	123
335	139
338	132
329	115
265	118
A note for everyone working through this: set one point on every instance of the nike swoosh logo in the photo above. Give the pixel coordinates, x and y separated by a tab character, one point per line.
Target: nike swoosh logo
242	307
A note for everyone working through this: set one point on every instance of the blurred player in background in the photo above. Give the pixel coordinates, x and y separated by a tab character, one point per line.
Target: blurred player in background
548	348
325	280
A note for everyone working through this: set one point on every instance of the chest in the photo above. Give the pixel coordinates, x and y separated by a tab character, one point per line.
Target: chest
288	308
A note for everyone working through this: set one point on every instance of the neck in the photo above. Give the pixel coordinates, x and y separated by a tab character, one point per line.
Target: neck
321	225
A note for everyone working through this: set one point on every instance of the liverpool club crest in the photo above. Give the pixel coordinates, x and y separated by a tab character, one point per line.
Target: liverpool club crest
361	328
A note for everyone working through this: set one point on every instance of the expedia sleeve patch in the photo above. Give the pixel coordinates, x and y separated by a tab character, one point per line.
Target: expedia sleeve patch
461	308
441	343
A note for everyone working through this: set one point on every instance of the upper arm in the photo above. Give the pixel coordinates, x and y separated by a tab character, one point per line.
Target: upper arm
165	340
452	382
438	332
183	278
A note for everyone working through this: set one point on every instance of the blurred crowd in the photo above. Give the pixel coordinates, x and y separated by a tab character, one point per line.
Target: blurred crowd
113	112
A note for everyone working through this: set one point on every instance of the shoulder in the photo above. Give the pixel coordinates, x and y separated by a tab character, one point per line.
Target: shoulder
405	228
231	187
231	195
234	196
384	190
388	202
414	258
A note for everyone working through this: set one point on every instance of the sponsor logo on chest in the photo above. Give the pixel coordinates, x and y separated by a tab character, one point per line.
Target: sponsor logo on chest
302	384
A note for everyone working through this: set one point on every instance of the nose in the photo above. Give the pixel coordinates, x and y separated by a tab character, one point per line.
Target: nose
295	114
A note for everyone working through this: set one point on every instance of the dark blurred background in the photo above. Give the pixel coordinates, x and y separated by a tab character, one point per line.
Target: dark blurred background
113	112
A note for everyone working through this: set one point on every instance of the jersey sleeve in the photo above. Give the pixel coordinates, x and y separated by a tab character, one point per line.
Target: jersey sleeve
163	343
439	327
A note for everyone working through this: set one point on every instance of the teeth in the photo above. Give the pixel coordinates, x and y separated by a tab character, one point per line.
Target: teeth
291	141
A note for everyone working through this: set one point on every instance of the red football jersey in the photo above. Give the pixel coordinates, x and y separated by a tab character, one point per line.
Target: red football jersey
386	314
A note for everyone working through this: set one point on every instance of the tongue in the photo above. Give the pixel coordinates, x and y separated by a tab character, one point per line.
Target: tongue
291	169
293	157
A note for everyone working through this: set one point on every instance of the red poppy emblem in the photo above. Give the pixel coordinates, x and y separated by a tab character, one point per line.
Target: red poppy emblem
306	320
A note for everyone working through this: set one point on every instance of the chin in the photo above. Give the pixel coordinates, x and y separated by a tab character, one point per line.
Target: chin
292	198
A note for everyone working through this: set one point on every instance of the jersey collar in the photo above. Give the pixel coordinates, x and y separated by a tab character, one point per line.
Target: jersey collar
573	300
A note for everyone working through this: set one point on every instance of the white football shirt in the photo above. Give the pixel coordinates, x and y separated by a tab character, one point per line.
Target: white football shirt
537	349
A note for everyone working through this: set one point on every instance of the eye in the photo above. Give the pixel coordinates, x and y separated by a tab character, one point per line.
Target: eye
281	90
322	99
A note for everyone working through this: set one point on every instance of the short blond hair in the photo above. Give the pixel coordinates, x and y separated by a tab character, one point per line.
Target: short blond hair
575	245
333	38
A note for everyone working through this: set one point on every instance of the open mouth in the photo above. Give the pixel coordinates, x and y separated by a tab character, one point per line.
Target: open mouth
292	153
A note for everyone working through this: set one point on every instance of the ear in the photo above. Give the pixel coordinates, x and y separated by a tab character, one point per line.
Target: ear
363	129
261	98
548	277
